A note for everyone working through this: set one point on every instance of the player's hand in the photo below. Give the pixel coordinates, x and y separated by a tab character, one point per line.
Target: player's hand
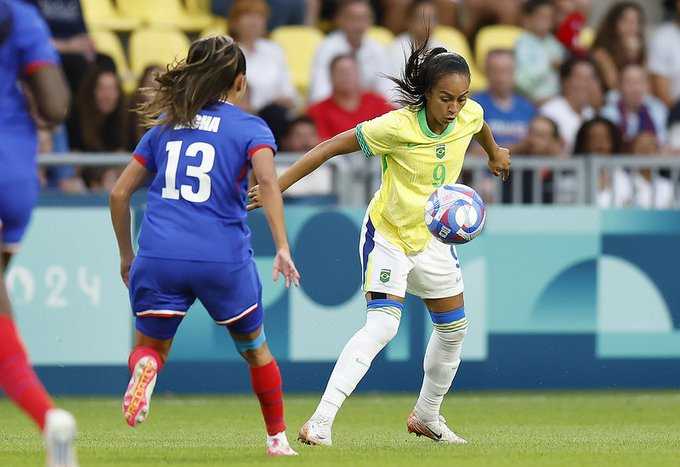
283	264
254	198
499	162
125	265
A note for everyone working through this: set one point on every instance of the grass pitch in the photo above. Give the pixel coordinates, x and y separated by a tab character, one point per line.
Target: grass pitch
503	429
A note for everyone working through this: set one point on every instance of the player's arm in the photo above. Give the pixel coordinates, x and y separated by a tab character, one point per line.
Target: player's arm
344	143
270	196
499	158
131	180
49	93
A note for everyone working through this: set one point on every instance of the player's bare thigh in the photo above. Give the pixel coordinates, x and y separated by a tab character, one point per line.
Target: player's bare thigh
370	296
442	305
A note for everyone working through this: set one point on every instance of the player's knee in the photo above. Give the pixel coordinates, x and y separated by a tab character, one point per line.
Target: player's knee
382	319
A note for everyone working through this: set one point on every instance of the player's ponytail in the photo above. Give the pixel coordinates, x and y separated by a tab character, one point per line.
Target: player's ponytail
206	75
424	68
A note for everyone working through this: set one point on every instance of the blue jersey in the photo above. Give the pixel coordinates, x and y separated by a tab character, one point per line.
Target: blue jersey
26	49
196	207
509	126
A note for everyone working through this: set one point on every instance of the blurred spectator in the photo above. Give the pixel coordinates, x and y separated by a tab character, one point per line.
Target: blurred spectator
353	18
619	41
348	105
507	113
539	54
70	37
475	14
572	17
60	177
573	106
674	129
268	77
394	14
421	16
664	59
141	95
542	140
645	189
284	12
300	136
100	126
634	110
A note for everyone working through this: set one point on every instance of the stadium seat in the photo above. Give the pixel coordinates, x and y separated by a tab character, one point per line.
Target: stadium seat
152	46
198	6
108	43
218	27
381	35
170	13
299	44
101	14
495	37
455	41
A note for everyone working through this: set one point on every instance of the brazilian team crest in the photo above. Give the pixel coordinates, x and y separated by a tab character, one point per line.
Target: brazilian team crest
385	275
440	151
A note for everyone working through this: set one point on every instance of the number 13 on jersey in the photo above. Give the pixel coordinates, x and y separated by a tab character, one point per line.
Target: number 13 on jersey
200	172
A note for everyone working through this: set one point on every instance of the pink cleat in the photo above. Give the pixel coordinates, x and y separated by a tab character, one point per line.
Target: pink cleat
137	398
277	445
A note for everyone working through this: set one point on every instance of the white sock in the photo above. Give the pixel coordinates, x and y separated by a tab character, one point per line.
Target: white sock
381	326
442	359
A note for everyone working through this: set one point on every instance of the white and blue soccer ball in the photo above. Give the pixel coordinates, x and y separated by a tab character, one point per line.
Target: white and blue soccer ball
455	214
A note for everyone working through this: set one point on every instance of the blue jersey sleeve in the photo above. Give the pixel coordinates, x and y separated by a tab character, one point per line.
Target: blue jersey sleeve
262	138
32	38
145	150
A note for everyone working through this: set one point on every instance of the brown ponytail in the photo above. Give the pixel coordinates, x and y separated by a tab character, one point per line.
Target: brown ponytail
209	71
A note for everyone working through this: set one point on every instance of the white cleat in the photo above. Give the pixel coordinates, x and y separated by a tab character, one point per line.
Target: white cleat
137	398
277	445
316	431
436	430
60	434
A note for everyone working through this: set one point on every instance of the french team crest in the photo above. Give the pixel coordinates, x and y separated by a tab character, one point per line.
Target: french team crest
440	151
385	275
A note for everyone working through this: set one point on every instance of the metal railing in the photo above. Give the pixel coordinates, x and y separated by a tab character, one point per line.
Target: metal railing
533	180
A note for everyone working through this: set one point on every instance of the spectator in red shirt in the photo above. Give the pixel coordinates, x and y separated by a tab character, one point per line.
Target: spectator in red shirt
348	105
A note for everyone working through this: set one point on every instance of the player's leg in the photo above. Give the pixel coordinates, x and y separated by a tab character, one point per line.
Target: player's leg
160	299
437	278
385	269
233	297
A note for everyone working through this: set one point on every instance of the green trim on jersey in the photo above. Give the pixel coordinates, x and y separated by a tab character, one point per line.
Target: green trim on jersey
422	122
384	164
362	141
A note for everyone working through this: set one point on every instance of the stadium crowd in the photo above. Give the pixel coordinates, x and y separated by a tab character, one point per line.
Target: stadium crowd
551	82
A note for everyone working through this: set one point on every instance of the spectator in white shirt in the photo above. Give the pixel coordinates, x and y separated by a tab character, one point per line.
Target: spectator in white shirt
570	109
633	109
268	76
664	59
353	18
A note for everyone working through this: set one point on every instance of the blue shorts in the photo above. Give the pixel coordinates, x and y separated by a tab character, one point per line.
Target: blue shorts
162	290
17	200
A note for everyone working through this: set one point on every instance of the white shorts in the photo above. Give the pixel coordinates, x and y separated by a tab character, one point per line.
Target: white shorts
433	273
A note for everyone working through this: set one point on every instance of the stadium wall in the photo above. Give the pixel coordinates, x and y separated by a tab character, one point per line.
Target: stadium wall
556	297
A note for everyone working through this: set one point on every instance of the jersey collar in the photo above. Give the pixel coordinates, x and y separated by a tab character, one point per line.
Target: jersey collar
422	122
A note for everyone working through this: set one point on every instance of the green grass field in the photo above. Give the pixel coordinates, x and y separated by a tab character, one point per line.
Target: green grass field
541	429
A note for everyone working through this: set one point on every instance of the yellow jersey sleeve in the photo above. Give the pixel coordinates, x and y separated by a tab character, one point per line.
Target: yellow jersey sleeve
476	115
377	136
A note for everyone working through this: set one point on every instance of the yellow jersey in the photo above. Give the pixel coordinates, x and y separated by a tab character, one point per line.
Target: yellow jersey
415	162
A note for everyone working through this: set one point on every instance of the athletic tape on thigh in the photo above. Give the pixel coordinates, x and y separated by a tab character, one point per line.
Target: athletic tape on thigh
391	307
449	321
243	346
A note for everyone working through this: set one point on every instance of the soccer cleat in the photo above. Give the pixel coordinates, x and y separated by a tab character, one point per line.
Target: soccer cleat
137	398
316	431
437	430
60	433
277	445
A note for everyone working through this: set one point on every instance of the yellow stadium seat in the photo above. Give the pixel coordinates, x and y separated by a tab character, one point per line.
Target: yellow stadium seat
108	43
101	14
198	6
495	37
299	44
151	46
456	42
381	35
218	27
165	13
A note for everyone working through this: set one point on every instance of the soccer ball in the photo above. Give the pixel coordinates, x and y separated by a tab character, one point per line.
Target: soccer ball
455	214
